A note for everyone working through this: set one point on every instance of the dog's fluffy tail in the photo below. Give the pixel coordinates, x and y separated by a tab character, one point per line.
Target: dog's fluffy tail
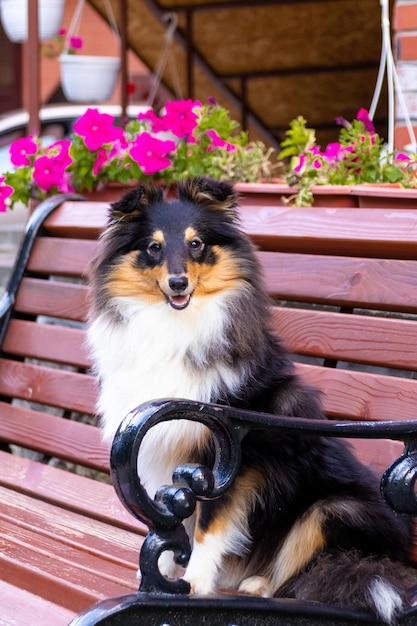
352	581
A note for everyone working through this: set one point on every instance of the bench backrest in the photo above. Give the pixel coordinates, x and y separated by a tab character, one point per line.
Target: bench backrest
344	283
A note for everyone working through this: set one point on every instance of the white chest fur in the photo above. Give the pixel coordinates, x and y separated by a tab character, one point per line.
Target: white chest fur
145	355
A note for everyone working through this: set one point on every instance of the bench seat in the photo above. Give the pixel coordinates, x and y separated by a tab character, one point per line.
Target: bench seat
344	283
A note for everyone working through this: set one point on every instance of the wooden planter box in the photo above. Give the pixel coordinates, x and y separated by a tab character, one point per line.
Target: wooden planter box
368	196
380	196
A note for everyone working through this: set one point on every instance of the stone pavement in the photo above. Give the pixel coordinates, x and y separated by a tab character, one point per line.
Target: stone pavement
12	224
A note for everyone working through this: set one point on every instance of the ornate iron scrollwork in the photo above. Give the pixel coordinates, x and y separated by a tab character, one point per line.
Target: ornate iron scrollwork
174	503
398	484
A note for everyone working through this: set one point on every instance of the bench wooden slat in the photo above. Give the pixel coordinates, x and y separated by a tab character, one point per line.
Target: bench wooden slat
342	281
60	257
362	395
385	233
47	342
86	559
84	495
52	298
47	385
377	455
83	220
70	528
52	435
20	609
357	338
71	586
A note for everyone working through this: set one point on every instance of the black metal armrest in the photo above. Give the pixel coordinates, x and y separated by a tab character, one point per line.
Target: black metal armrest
190	483
160	597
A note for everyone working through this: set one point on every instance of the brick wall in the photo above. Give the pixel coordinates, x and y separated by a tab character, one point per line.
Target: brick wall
405	53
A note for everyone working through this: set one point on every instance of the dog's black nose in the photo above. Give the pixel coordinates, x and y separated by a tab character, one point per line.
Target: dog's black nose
178	283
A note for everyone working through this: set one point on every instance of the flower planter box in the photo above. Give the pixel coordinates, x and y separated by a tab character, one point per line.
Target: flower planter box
370	196
275	194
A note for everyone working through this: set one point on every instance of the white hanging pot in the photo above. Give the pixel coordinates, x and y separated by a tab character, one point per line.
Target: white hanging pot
14	18
88	78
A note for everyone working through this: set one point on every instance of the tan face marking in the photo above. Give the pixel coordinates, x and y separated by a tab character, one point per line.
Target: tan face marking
158	236
190	233
223	274
128	281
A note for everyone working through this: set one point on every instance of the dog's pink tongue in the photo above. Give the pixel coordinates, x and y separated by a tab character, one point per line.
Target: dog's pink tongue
179	302
179	299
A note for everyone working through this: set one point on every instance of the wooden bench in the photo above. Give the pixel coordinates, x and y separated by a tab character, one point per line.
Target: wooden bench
345	286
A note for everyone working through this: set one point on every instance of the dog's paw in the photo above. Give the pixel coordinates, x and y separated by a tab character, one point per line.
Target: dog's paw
200	586
256	586
201	579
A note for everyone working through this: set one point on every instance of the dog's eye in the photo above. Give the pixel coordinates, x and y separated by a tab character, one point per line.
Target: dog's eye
154	248
196	245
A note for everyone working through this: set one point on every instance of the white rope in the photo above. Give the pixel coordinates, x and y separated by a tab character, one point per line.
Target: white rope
166	56
74	26
379	82
111	17
387	61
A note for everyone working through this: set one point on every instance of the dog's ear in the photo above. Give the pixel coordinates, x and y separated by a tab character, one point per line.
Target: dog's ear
211	193
134	202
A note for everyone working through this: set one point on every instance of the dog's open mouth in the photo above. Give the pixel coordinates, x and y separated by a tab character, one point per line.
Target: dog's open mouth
179	302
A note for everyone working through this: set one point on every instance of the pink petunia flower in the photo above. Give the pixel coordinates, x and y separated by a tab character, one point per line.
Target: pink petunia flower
118	148
154	121
151	153
180	117
97	129
48	173
333	152
402	157
21	149
342	122
100	160
59	150
363	116
300	164
64	185
5	192
218	142
76	43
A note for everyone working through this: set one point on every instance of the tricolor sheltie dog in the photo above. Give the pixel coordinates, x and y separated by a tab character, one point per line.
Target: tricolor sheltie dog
180	310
